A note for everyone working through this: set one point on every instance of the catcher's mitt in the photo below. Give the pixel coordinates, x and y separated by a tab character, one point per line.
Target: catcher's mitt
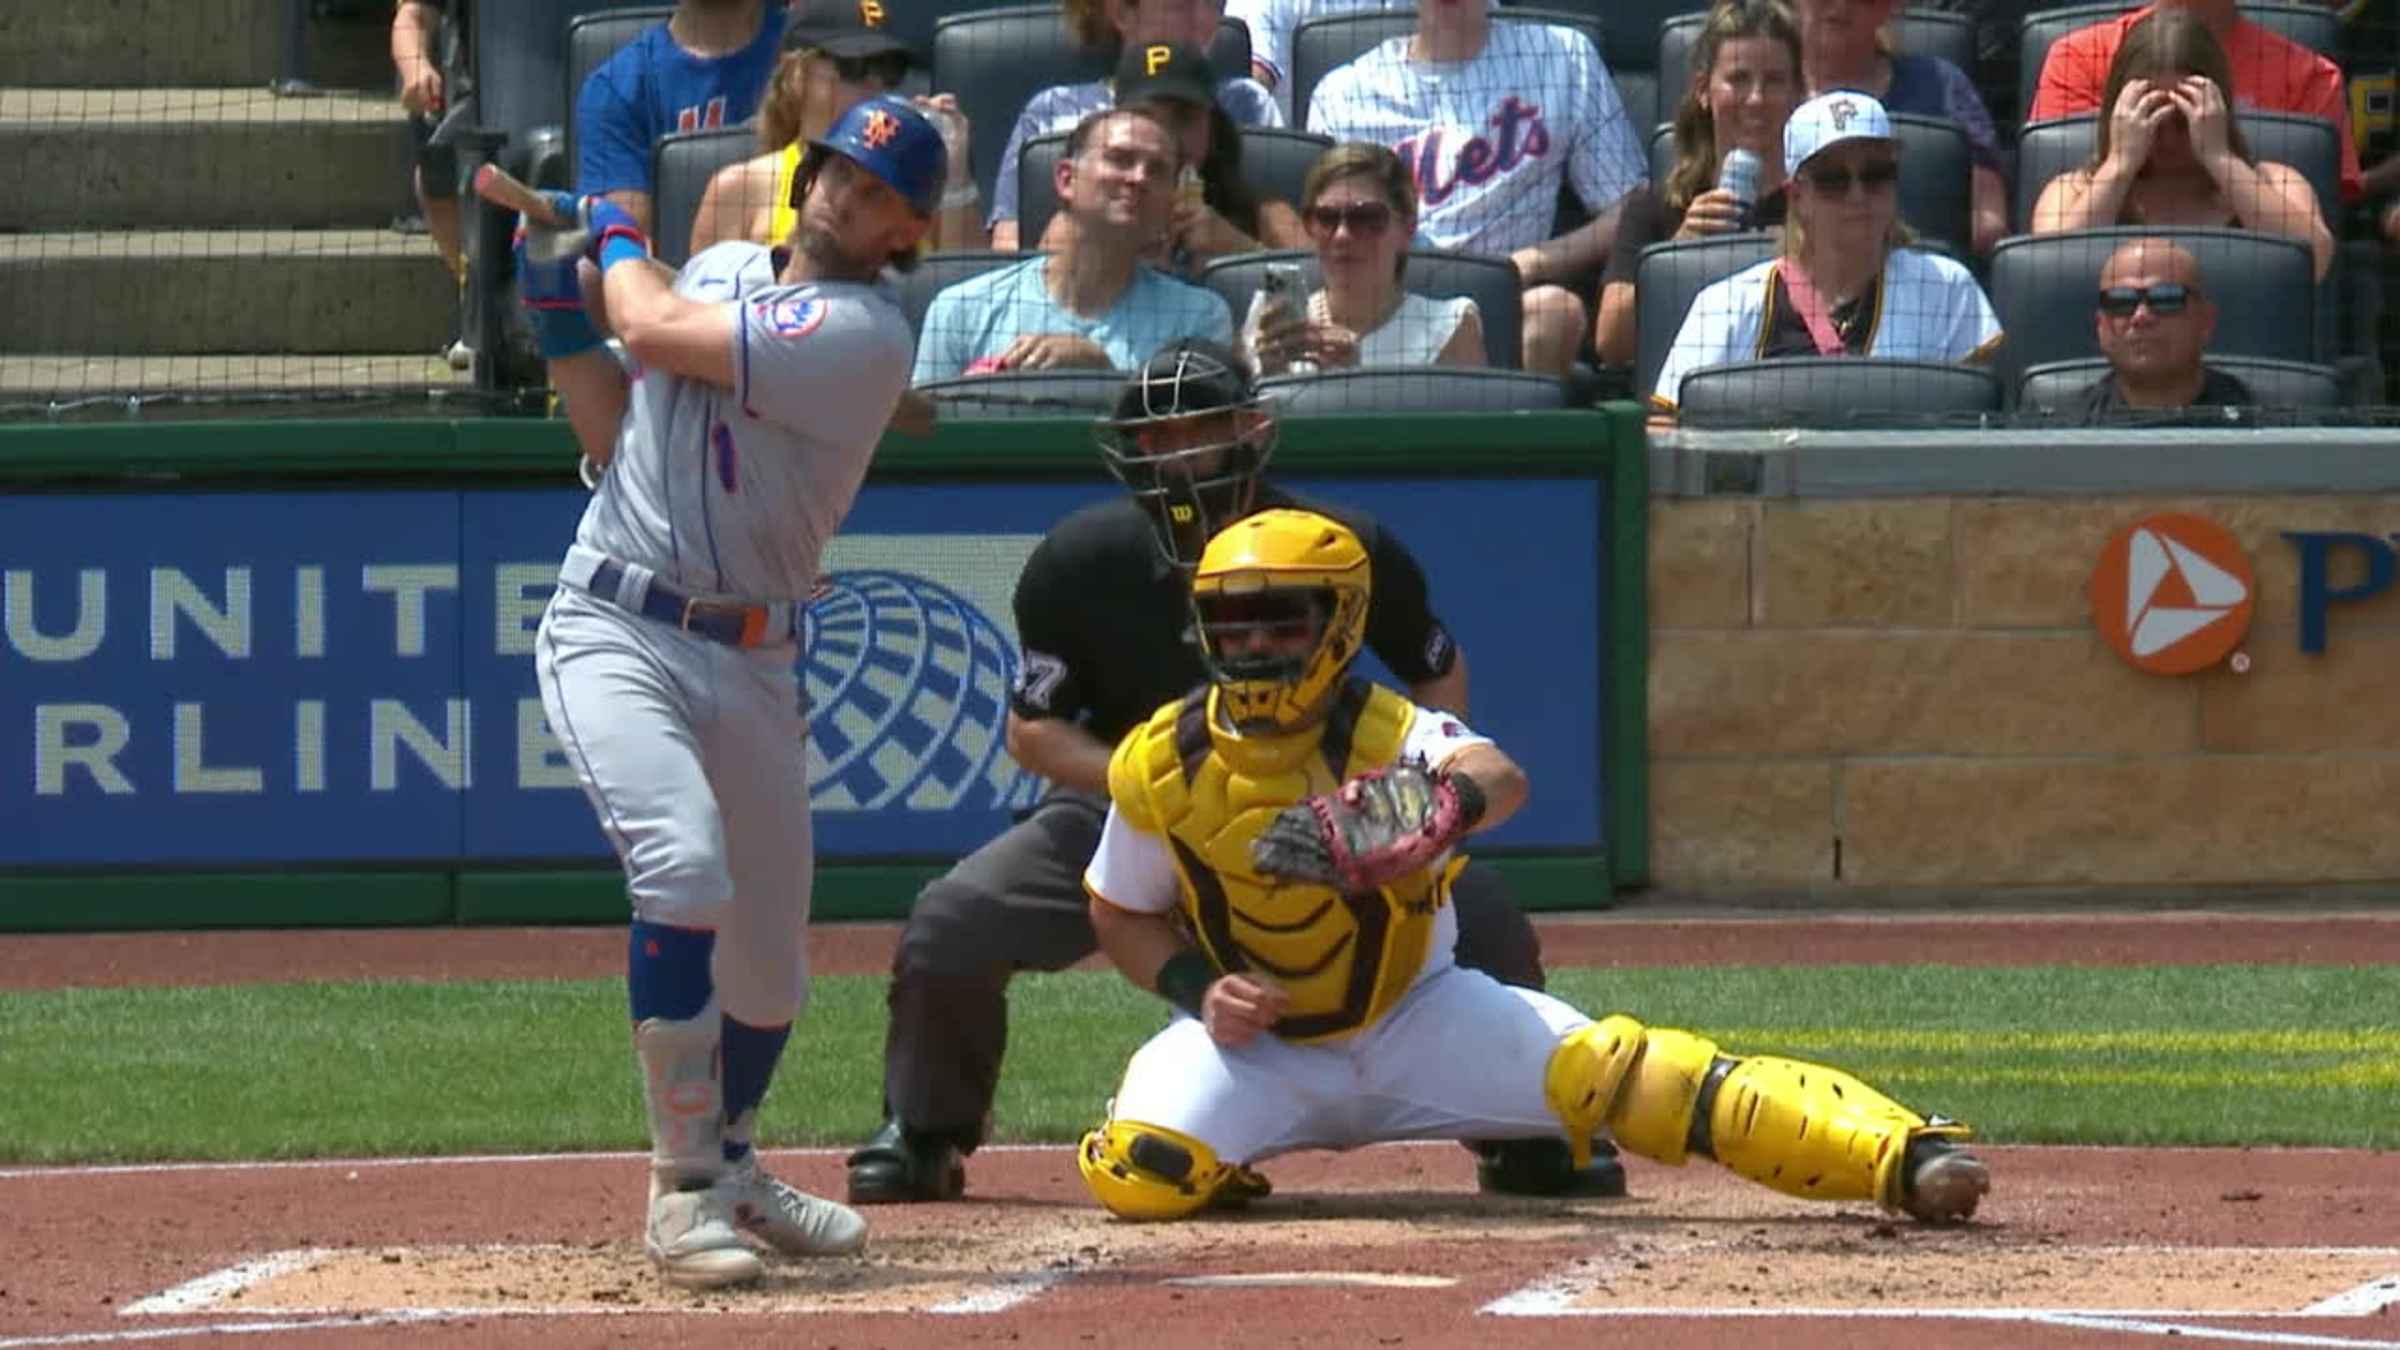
1373	830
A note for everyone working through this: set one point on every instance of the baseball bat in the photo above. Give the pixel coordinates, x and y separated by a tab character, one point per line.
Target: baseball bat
501	188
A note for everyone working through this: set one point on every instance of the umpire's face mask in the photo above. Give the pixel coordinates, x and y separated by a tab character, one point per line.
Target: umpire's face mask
1193	474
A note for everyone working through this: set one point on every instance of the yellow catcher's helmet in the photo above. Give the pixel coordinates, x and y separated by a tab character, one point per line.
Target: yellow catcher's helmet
1281	603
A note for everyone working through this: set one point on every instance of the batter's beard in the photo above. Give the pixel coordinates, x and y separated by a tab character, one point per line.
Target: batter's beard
830	260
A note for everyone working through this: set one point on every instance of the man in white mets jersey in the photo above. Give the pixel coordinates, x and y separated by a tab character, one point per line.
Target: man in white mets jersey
1490	115
1277	862
761	384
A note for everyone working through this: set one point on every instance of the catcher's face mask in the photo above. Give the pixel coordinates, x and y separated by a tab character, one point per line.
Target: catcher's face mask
1280	600
1189	442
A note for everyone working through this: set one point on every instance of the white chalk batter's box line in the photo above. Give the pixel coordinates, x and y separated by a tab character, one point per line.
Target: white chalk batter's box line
211	1292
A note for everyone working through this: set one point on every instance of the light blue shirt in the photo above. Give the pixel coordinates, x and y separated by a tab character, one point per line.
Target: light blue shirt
978	318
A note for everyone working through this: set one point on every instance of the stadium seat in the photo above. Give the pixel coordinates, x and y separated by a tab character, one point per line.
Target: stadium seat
1833	391
1319	46
592	39
1491	282
1418	389
2056	386
1670	275
2316	27
1935	177
1275	164
1028	393
936	271
994	60
1922	32
680	167
2044	288
2049	148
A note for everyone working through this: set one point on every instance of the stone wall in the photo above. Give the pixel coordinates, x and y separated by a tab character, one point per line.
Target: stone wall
1909	692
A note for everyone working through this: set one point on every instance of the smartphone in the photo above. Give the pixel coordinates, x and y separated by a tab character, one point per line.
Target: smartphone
1282	284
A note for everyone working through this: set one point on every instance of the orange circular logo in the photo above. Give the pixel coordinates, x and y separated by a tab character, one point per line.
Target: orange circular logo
2172	594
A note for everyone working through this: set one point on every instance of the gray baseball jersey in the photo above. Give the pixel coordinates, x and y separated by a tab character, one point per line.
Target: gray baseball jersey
733	493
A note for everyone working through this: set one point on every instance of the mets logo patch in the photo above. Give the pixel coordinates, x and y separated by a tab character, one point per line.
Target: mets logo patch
880	129
792	318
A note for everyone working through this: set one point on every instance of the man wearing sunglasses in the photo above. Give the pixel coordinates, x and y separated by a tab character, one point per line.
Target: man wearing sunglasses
2154	320
706	66
1105	621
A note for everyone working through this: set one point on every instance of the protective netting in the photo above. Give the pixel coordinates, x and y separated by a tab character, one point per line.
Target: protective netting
266	206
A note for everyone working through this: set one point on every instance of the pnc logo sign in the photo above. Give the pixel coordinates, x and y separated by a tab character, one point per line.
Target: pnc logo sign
2172	594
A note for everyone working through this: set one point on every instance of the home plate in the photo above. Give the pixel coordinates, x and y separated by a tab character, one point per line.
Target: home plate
1312	1279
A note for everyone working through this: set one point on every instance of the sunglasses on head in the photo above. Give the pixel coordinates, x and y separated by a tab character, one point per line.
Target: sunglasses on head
885	68
1836	182
1365	219
2168	297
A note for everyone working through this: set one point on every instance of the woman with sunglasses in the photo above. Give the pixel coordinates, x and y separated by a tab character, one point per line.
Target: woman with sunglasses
2170	153
1745	79
1846	44
1848	283
1361	211
831	60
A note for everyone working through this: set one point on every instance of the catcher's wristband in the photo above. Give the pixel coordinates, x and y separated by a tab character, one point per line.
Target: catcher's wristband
1184	978
1471	801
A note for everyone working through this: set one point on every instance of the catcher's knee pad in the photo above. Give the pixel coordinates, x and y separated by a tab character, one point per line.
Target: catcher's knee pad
1643	1083
1139	1171
1811	1131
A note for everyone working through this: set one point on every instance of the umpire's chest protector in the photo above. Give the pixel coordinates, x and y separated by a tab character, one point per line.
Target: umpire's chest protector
1344	959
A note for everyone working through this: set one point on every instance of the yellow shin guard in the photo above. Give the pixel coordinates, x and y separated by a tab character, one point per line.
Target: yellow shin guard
1796	1127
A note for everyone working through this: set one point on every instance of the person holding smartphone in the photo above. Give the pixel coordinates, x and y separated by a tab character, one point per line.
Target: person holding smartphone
1359	206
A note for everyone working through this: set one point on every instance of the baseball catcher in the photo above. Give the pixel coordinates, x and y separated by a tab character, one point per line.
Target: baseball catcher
1277	862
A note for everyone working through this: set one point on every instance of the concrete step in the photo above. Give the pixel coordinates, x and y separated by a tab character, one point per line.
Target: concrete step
99	387
298	292
200	159
157	43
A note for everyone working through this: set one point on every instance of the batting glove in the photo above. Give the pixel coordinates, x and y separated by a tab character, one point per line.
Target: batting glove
553	300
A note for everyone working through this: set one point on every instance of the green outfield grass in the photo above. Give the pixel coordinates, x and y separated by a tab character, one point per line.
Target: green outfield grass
2167	1055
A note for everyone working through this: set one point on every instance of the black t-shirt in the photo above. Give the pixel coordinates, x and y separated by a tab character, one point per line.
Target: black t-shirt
1785	333
2105	402
1642	221
1106	623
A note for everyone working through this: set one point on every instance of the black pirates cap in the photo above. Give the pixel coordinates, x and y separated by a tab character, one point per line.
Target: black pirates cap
1173	70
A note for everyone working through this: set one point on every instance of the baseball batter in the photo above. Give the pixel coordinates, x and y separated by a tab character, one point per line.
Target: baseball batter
761	385
1277	864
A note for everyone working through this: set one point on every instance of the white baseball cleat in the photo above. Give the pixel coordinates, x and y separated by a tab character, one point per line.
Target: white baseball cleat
1945	1182
691	1239
787	1218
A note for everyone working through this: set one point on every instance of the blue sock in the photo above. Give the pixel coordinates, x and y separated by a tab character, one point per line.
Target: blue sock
667	971
750	1056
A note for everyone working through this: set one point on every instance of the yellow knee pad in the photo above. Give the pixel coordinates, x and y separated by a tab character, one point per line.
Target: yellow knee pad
1139	1171
1814	1132
1638	1081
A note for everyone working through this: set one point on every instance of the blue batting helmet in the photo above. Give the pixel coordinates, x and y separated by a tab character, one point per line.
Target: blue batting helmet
891	140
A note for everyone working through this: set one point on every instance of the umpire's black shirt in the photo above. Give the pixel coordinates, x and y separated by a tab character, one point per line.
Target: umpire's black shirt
1106	621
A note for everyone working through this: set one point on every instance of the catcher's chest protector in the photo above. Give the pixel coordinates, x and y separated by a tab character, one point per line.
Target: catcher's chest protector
1344	959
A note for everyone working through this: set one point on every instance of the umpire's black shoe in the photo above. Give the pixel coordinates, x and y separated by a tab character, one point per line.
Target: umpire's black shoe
898	1167
1545	1167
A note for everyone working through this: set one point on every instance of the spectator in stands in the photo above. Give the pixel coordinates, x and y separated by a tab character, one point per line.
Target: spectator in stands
2270	72
1272	24
1745	79
1116	26
2170	153
835	53
1092	302
1847	283
706	66
416	54
1490	119
1361	209
1845	44
1216	212
2154	320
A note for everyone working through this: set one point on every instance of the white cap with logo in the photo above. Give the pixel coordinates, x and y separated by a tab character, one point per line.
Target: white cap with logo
1828	120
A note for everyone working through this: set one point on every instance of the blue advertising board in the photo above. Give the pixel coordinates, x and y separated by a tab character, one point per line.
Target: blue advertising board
223	678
